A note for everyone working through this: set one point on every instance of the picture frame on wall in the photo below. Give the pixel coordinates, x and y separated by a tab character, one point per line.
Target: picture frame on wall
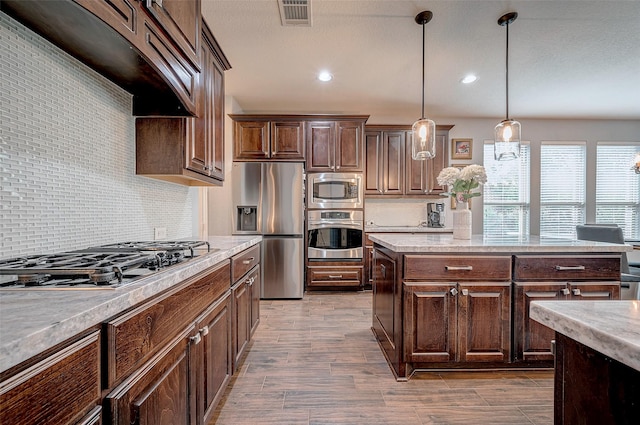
454	203
461	148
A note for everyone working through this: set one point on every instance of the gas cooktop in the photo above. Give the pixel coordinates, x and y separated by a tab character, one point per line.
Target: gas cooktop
101	267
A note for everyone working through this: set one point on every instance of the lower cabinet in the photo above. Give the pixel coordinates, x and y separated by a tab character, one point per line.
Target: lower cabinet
33	395
169	359
334	274
457	322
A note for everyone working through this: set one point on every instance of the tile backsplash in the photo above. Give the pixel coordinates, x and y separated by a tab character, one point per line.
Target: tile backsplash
67	156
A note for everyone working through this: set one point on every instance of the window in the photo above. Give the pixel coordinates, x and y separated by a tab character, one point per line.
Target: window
562	188
506	194
618	187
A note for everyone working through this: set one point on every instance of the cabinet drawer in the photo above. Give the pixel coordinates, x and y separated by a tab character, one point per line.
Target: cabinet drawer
243	262
60	389
135	336
451	268
566	267
345	276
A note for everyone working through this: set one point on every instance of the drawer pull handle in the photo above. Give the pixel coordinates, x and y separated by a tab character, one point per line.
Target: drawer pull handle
383	271
453	291
204	331
248	260
569	268
335	276
195	339
456	268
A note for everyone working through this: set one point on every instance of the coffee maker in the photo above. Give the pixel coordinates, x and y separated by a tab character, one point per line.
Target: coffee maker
435	214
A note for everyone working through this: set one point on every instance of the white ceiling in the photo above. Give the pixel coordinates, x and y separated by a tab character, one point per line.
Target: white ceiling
567	59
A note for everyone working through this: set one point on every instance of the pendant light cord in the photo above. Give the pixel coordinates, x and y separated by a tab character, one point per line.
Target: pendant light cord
507	72
423	55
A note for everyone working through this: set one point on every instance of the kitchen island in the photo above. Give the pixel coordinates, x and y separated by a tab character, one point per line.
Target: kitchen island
597	368
442	303
108	355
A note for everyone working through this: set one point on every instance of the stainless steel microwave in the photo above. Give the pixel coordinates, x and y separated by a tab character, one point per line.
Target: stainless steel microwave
335	190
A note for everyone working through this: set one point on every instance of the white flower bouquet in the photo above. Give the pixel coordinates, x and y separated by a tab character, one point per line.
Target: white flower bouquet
462	182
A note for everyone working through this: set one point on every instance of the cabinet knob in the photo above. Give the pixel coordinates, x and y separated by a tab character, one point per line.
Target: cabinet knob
465	292
337	167
565	291
453	291
150	2
204	331
576	292
196	339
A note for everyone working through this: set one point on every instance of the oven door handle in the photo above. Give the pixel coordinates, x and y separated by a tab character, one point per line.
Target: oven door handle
326	224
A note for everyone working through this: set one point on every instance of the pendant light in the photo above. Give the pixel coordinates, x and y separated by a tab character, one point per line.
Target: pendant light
423	140
507	132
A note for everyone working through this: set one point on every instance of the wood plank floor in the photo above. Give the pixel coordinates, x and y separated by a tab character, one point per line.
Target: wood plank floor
315	361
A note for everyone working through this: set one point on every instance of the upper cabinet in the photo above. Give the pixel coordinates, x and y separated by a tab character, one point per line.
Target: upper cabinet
327	142
336	145
390	170
260	138
151	48
189	150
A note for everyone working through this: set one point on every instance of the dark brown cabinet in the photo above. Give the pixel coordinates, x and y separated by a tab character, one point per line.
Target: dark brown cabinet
171	351
335	145
556	277
34	395
334	274
384	172
151	48
260	138
389	168
189	151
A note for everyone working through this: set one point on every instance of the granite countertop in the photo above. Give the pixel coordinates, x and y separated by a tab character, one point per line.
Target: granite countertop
406	229
444	243
32	321
610	327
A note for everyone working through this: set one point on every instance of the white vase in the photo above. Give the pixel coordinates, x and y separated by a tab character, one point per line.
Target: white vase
462	221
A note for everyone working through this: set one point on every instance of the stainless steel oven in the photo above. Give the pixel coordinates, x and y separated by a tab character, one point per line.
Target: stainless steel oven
335	234
334	190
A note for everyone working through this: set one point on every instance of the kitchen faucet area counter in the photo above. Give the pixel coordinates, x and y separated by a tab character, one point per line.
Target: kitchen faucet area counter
442	303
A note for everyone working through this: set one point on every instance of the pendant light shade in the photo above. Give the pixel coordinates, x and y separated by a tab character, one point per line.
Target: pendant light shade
507	132
423	140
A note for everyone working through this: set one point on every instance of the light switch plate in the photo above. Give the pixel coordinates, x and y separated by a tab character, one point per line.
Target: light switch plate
159	233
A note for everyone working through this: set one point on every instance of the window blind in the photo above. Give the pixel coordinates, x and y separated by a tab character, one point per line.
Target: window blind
562	188
618	187
506	193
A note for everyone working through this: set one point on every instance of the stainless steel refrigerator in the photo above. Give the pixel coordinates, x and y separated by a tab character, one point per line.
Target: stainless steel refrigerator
268	199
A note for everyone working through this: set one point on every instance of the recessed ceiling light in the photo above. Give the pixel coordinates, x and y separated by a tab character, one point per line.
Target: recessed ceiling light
325	76
469	79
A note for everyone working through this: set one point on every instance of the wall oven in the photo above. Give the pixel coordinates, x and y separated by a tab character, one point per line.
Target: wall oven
335	235
334	190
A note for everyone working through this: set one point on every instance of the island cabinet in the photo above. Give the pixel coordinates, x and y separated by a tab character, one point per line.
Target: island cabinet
189	151
556	277
335	145
457	309
169	359
265	138
245	295
62	386
151	48
391	171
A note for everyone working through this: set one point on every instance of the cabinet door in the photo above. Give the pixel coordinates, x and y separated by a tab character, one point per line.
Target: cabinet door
393	162
287	140
430	322
595	290
373	163
387	306
321	137
348	148
216	125
437	164
241	299
251	140
532	340
59	389
254	285
181	20
215	354
119	14
159	393
484	322
415	171
199	141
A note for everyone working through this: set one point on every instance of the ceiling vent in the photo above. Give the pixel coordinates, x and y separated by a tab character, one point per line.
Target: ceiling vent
295	13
